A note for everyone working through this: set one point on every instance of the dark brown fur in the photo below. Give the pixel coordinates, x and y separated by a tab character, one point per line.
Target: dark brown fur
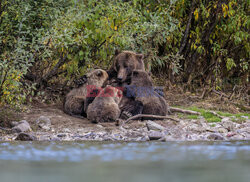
124	64
105	107
75	99
153	104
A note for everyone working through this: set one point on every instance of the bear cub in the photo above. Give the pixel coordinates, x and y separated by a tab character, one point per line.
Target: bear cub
105	107
142	90
74	102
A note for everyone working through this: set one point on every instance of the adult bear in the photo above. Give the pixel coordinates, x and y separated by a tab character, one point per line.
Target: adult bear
124	64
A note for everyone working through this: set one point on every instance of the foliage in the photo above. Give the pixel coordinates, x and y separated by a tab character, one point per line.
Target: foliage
23	26
90	32
45	42
217	46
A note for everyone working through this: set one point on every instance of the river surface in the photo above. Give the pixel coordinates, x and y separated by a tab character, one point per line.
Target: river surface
125	162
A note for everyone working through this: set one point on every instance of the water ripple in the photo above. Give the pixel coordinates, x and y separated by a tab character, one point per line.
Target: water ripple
148	151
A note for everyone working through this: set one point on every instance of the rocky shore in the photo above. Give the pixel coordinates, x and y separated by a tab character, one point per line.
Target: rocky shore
51	124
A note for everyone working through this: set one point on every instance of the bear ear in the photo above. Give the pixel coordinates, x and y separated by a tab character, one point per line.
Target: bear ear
117	52
139	56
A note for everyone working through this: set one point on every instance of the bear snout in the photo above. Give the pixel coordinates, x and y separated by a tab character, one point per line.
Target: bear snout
122	75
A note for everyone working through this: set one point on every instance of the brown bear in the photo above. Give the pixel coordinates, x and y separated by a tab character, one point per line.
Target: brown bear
105	107
124	64
142	90
74	102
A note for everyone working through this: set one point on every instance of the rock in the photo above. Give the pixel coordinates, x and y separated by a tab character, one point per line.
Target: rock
61	135
43	138
222	130
14	123
196	128
54	138
155	135
226	119
214	136
154	126
229	125
245	129
25	137
246	124
99	126
44	122
66	130
245	117
21	126
231	134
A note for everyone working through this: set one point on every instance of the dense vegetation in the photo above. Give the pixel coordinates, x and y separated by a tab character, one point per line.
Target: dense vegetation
194	43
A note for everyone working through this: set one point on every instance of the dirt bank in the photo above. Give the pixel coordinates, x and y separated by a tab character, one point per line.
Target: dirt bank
50	123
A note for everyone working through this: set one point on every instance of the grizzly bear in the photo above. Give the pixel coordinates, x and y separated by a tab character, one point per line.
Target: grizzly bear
124	64
74	102
105	107
142	90
129	107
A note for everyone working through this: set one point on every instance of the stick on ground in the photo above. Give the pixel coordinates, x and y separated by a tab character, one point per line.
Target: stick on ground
174	109
151	116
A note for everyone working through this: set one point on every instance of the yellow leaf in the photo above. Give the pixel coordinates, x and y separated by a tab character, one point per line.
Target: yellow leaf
115	27
196	14
224	10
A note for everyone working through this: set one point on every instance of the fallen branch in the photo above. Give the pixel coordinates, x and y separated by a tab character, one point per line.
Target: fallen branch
150	116
241	106
174	109
232	94
203	93
220	94
216	114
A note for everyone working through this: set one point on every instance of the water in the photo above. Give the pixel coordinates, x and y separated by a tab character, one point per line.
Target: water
125	162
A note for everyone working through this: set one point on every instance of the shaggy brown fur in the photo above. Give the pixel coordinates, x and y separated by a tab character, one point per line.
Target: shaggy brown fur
105	107
124	64
153	103
75	99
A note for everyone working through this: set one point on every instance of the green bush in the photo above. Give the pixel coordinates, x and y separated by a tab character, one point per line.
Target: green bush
204	43
24	24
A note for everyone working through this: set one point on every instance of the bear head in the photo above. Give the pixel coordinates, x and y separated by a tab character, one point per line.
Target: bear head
126	62
141	78
97	78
